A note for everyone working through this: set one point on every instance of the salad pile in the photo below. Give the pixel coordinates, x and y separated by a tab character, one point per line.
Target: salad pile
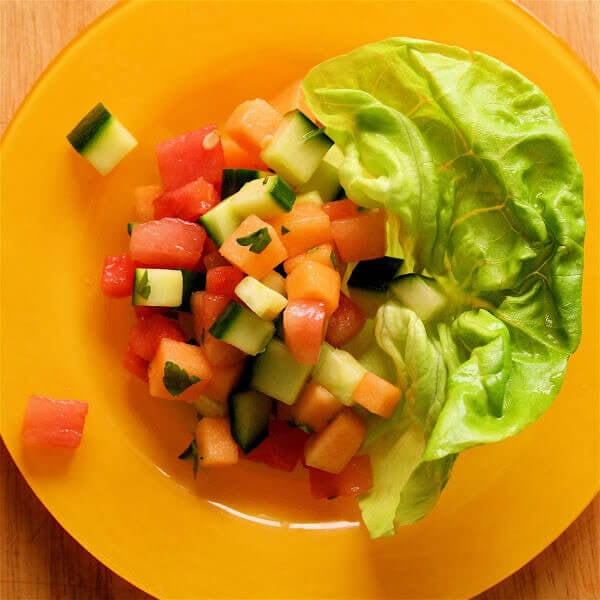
369	274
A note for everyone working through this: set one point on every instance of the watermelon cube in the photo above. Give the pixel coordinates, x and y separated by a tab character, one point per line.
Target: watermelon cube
50	422
189	202
189	156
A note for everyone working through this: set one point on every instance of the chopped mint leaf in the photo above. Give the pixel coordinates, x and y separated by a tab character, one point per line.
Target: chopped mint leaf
312	250
143	288
333	260
191	453
284	230
305	428
265	180
257	241
176	379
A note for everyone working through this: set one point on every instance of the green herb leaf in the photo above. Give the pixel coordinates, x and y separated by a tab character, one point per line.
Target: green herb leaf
191	453
333	260
265	180
312	250
284	230
176	379
257	241
143	288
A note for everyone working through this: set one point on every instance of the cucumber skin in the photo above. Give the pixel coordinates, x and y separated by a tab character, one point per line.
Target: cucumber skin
256	440
234	180
89	127
221	325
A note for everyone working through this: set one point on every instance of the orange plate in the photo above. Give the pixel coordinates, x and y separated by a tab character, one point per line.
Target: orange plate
165	68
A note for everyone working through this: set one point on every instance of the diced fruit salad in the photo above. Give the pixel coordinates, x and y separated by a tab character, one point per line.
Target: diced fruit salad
251	276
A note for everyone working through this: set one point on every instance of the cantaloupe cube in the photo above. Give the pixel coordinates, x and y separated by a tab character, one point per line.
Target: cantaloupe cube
331	449
377	395
252	124
303	228
254	259
237	158
323	254
314	281
179	371
215	444
362	237
223	380
315	407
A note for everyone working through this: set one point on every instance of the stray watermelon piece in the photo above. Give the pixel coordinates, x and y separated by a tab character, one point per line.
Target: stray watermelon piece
189	202
189	156
50	422
117	276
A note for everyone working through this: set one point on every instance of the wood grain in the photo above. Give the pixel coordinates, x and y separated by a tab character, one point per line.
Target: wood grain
38	560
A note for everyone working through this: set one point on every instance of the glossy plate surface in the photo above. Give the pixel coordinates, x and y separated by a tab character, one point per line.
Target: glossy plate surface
167	67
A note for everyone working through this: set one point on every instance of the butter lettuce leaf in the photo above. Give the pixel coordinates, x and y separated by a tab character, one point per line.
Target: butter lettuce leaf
479	179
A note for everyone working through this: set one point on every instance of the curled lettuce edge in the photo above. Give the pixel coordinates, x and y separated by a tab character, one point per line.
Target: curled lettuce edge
480	182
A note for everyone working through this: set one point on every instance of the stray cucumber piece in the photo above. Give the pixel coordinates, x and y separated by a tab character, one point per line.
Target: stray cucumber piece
101	139
158	287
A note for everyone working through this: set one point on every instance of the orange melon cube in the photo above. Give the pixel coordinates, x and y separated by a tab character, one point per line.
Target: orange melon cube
303	228
215	444
237	158
292	98
178	371
314	281
223	381
361	237
322	254
377	395
315	407
332	448
253	260
252	124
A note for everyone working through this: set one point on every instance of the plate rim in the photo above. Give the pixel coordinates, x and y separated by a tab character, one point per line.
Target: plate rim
115	12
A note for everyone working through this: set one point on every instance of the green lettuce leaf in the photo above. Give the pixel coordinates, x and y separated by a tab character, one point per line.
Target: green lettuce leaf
482	189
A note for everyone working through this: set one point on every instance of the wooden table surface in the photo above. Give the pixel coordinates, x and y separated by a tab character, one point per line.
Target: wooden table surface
38	560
